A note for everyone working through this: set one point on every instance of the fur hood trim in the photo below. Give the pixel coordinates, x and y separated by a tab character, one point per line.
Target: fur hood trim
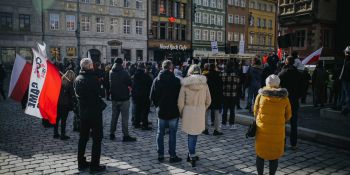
194	80
274	92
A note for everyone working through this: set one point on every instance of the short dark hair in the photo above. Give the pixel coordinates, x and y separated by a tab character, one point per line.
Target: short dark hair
295	54
290	60
119	61
212	66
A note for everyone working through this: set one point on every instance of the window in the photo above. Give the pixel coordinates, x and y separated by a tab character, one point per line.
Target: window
206	3
113	2
177	32
235	37
251	5
269	24
199	2
242	20
170	31
197	18
236	21
183	32
54	21
243	3
258	22
85	23
6	22
258	6
70	22
230	18
213	3
139	54
212	35
230	2
162	7
326	38
114	25
100	24
24	22
263	22
263	7
205	18
269	41
155	30
55	53
126	3
212	19
139	26
162	29
236	2
114	52
205	35
8	54
182	11
229	36
263	40
85	1
251	39
220	21
139	4
197	34
126	26
220	4
71	52
219	36
98	1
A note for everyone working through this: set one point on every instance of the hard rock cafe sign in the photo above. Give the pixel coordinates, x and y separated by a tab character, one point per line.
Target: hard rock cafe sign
173	47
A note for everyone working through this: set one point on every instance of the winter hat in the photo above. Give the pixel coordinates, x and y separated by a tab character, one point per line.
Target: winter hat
273	81
119	61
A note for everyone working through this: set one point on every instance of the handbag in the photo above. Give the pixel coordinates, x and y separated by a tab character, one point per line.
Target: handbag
251	130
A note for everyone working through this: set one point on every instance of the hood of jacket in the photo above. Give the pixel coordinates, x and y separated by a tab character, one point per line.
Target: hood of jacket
194	82
274	92
166	75
117	68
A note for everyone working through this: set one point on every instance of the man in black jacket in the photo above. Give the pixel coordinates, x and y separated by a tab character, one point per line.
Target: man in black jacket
164	94
290	79
345	78
140	92
90	107
120	83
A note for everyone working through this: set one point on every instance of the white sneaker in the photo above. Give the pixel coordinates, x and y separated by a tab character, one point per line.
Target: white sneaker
233	127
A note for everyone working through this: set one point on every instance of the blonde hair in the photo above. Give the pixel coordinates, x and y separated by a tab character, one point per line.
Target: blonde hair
68	77
194	69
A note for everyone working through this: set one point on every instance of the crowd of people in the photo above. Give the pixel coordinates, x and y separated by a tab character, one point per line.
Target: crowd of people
202	95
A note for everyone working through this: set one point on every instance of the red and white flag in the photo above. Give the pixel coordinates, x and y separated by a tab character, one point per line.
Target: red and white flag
20	78
44	88
315	56
279	53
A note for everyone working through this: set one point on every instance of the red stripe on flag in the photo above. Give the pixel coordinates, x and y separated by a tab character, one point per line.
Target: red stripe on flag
48	100
22	83
314	59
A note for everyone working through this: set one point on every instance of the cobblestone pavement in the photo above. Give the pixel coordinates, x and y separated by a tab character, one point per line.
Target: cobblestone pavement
28	148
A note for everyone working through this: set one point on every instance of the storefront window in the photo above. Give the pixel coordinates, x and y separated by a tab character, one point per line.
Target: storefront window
162	29
139	54
56	53
8	55
71	52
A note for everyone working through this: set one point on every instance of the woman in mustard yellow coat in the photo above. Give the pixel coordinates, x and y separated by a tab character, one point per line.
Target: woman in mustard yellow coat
272	110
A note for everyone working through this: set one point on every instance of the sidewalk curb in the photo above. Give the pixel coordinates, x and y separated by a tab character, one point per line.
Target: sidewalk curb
307	134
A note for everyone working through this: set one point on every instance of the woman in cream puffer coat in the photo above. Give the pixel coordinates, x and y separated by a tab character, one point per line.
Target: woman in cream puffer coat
194	100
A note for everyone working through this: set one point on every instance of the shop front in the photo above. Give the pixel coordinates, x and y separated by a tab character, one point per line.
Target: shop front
176	51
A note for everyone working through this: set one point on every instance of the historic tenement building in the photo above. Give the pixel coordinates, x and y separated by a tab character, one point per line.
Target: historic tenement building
108	28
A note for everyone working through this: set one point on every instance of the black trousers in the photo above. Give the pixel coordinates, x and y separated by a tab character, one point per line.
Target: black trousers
95	125
229	104
2	92
62	115
294	126
273	164
142	110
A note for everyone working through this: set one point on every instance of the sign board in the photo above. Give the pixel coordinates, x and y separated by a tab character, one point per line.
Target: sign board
327	58
241	47
214	47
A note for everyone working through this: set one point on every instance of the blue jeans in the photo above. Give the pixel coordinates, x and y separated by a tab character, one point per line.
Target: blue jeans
252	93
346	90
192	141
172	125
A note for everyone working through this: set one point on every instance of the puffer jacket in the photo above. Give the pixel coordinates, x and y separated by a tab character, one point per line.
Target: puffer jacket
272	110
194	100
120	82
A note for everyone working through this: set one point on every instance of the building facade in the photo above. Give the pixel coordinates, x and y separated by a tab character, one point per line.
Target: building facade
169	26
208	25
236	26
108	28
262	26
312	24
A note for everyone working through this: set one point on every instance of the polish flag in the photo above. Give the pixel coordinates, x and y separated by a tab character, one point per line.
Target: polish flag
20	78
315	56
44	88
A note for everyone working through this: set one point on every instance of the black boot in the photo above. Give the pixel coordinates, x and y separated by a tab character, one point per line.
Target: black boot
83	165
192	160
